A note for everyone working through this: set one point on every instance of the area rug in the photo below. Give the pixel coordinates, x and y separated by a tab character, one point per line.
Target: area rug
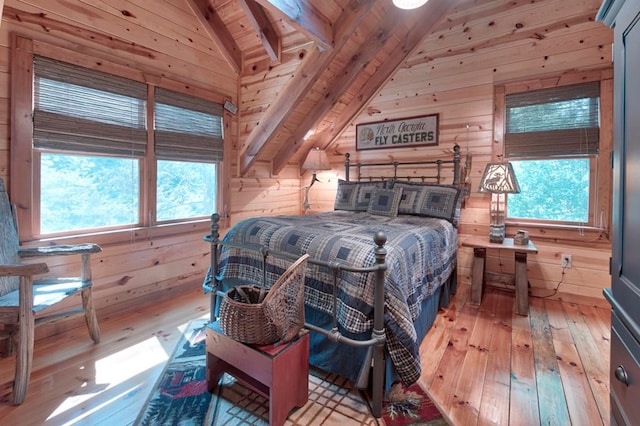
180	397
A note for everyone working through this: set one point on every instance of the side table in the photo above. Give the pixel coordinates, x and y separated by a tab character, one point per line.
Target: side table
480	244
279	372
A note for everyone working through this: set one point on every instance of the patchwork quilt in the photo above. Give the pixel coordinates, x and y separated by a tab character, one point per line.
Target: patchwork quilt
421	254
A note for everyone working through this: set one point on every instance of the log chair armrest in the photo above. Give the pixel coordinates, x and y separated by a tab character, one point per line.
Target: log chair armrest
23	269
62	250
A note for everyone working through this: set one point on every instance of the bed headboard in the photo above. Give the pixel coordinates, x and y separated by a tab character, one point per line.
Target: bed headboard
430	165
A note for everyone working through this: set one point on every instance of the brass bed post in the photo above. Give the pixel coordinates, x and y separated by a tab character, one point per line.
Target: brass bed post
213	238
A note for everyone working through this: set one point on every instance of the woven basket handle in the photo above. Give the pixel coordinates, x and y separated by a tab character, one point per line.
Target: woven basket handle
283	278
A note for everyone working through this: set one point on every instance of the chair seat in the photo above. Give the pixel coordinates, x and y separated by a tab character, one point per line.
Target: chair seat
46	292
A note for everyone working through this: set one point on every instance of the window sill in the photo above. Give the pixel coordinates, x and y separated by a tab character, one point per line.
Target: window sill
128	235
561	232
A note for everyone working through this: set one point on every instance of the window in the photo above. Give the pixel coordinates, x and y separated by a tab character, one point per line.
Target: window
552	140
112	153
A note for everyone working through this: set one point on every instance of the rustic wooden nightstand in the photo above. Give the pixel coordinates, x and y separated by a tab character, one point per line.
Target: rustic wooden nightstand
520	281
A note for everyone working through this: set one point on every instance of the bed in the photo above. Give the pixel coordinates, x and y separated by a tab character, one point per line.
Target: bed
381	265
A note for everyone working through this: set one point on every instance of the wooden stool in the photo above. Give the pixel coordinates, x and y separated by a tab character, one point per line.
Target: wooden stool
278	372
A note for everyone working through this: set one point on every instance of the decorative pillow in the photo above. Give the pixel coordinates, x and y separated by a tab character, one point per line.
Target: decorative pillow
432	200
346	195
355	196
384	202
365	191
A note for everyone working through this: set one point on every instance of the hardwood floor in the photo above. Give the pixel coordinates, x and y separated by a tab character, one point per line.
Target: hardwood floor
482	365
486	365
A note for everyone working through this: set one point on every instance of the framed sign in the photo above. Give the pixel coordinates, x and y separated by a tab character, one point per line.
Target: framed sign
414	131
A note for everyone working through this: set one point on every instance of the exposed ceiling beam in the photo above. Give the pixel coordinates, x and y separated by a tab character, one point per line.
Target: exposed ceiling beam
424	19
339	86
290	96
304	18
293	93
262	26
217	30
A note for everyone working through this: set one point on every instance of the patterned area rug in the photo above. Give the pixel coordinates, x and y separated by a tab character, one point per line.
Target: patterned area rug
180	397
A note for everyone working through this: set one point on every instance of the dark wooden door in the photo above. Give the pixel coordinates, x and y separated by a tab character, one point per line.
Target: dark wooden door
626	235
624	294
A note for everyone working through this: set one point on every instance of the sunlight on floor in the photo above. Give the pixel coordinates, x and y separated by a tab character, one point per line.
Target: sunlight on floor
114	371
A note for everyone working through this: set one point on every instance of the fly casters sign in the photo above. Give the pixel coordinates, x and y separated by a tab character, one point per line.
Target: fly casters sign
414	131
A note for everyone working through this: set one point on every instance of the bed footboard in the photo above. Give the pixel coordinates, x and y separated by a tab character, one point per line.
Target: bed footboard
374	361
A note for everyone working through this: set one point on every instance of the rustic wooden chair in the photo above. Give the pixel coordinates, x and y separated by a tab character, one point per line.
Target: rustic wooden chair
22	298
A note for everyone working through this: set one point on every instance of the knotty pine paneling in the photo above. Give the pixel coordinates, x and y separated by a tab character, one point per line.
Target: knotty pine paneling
453	74
166	44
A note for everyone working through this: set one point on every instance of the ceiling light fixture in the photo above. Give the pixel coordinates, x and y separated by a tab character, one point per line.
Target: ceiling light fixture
409	4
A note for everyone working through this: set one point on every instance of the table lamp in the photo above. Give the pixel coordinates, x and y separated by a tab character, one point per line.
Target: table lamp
498	179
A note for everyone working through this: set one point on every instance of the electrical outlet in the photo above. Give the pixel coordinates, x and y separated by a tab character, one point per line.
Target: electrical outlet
565	261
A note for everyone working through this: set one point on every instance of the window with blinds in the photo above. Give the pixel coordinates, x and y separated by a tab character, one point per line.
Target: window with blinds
91	138
553	122
551	139
187	128
81	110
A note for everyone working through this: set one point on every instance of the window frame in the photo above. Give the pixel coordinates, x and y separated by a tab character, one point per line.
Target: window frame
25	161
600	165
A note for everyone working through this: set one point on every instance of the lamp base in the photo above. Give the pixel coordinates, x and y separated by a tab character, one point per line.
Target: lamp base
496	233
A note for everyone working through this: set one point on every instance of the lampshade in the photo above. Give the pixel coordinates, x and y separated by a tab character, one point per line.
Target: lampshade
499	178
316	160
408	4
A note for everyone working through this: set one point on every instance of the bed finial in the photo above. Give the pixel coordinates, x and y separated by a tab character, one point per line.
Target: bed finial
346	166
380	239
214	227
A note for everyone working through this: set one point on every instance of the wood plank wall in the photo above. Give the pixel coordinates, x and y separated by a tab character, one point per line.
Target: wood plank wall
176	51
453	73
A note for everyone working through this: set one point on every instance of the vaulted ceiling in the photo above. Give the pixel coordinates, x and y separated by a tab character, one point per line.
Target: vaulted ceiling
303	70
345	51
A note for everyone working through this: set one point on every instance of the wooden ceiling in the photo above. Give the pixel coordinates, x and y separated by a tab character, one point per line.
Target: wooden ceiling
342	52
299	67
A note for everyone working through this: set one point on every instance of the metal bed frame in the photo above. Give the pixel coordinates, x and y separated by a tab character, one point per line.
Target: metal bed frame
374	360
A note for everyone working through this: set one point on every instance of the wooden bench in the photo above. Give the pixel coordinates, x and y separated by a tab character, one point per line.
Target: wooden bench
279	372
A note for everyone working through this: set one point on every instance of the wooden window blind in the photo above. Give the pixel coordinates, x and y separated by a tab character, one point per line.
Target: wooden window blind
187	128
83	110
562	121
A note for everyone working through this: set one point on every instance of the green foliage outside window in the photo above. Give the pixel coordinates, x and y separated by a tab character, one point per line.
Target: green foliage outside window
554	190
85	192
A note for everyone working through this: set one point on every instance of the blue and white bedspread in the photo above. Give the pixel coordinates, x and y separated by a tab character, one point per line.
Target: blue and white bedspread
421	254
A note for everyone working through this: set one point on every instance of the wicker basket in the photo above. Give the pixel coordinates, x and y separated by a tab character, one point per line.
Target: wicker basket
243	318
254	315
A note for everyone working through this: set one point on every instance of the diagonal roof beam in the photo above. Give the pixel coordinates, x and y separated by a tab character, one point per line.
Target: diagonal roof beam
217	30
424	20
339	86
262	26
304	18
294	92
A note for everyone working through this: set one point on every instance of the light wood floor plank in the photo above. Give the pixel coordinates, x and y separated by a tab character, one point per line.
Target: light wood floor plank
469	389
480	356
449	371
494	408
594	360
440	335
